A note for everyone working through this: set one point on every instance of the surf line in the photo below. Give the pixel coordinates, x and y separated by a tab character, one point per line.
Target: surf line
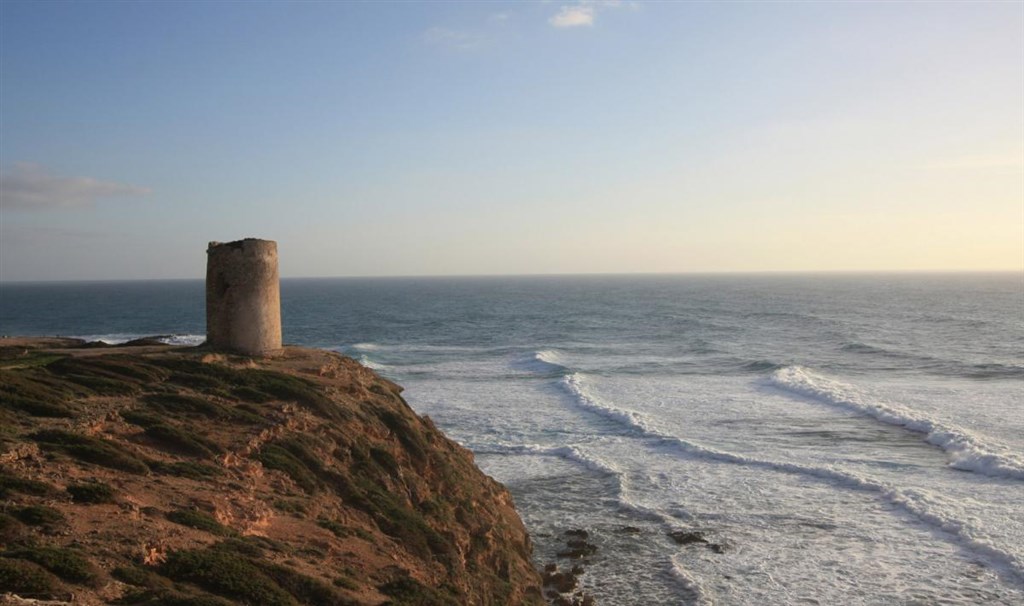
966	450
1009	565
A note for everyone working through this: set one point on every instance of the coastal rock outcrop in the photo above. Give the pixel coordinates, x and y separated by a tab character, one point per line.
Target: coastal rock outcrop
159	475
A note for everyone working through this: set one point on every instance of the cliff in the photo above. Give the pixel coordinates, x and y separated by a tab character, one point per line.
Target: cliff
156	475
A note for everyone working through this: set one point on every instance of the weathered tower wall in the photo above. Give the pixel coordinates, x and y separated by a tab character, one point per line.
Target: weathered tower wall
243	297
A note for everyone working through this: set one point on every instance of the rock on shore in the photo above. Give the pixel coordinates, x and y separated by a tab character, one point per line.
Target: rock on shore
160	475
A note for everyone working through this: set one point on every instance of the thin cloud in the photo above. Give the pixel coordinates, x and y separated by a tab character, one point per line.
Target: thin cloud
582	13
31	187
450	38
573	16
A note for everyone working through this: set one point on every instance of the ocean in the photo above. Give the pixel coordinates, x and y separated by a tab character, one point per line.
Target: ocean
832	439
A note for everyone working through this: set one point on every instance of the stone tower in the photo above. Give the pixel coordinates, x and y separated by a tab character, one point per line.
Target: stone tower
243	297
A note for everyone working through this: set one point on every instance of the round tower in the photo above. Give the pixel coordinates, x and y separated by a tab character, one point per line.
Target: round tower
243	297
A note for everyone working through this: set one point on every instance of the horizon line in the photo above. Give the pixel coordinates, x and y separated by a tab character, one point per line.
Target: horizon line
762	272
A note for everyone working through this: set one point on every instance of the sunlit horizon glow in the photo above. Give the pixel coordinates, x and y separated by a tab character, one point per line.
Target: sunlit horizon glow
397	139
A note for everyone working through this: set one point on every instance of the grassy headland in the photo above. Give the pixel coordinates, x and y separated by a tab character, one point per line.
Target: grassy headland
157	475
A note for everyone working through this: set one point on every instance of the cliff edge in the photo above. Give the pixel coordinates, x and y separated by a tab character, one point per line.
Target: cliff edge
157	475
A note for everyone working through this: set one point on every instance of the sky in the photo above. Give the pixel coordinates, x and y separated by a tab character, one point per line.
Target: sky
450	138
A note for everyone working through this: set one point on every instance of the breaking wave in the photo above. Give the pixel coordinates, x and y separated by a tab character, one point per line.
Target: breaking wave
576	454
546	362
121	338
967	451
918	503
191	340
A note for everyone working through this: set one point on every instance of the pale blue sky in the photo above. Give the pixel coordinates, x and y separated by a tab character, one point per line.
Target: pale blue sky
494	138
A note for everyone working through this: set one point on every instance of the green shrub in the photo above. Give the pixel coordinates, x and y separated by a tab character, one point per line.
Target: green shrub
226	574
35	384
39	515
202	383
91	492
90	449
119	373
35	392
306	589
385	459
12	483
176	403
289	388
410	438
249	384
275	457
36	408
105	377
241	546
253	412
290	506
11	530
399	521
199	521
140	577
210	379
142	419
176	440
345	583
409	592
27	578
170	598
129	367
251	546
338	529
248	394
65	563
104	386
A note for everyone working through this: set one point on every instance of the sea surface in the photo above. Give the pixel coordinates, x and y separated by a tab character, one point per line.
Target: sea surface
837	439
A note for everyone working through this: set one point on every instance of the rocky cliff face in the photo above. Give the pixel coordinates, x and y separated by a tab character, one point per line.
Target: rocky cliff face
157	475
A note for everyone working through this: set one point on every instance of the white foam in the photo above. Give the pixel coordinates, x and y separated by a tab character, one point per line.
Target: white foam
700	595
109	339
373	364
923	505
119	338
967	451
570	452
190	340
576	454
414	348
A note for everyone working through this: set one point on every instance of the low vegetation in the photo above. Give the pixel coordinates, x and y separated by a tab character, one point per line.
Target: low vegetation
68	564
226	574
409	592
39	515
27	578
199	520
10	484
91	492
90	449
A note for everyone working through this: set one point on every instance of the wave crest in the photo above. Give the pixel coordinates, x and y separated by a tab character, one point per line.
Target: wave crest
546	362
967	451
